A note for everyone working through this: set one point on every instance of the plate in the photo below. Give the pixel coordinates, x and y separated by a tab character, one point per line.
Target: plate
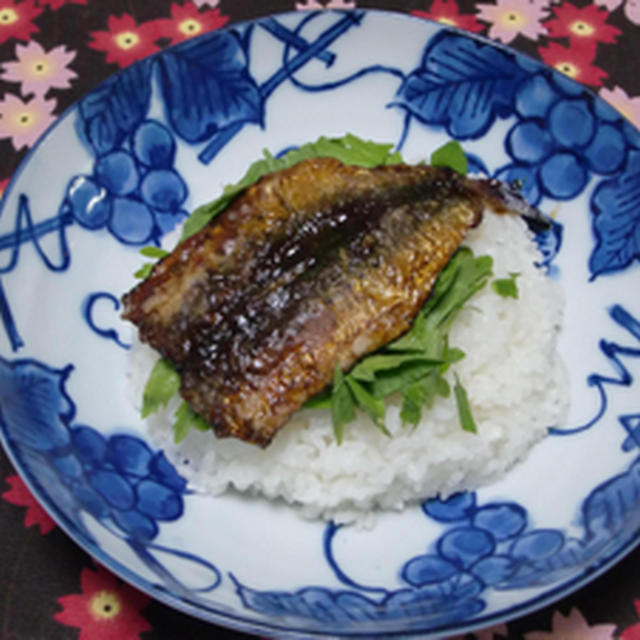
120	169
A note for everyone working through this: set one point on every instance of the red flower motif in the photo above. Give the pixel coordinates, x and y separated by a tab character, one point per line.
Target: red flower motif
56	4
574	62
584	26
105	609
447	12
187	21
15	20
19	494
3	186
632	632
126	41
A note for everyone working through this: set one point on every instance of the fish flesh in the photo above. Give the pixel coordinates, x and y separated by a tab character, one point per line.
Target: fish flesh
311	266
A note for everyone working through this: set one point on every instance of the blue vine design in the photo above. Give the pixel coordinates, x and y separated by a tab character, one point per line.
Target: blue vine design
483	546
118	479
613	352
88	310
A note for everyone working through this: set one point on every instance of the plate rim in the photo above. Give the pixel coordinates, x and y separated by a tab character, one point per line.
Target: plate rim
236	621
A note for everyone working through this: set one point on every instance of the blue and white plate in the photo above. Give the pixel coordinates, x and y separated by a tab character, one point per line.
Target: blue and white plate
119	171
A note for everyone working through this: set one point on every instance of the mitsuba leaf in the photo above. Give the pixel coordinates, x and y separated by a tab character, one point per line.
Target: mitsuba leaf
506	287
464	408
372	406
422	394
320	401
185	420
342	404
152	251
367	368
162	384
451	155
411	410
144	271
390	381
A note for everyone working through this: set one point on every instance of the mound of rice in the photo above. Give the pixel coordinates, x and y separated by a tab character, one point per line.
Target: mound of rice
516	384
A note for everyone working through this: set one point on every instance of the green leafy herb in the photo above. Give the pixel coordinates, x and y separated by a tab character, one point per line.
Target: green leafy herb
451	155
162	384
412	402
152	251
367	368
320	401
506	287
343	406
149	252
422	394
464	409
374	407
390	381
144	271
185	420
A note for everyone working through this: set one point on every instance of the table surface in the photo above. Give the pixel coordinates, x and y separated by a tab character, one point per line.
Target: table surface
49	588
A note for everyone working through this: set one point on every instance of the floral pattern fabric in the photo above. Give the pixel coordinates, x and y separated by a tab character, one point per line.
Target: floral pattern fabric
54	51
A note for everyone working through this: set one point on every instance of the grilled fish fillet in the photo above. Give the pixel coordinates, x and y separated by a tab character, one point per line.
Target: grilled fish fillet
311	266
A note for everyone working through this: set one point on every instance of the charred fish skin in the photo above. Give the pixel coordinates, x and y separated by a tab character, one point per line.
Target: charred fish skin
317	264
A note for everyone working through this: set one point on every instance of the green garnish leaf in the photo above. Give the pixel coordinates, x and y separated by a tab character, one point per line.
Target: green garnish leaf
319	401
412	401
506	287
388	382
145	270
367	369
162	384
453	355
152	251
422	393
464	408
373	407
185	420
451	155
343	406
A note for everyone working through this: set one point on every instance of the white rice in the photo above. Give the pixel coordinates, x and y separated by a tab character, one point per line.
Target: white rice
516	384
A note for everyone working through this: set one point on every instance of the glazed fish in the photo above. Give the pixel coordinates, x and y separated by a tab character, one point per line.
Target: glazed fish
315	265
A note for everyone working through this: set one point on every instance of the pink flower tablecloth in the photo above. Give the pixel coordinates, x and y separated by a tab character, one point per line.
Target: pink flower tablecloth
51	53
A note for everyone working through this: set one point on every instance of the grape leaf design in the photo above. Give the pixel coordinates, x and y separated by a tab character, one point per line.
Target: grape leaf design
439	603
206	87
461	84
615	210
124	484
39	425
116	107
